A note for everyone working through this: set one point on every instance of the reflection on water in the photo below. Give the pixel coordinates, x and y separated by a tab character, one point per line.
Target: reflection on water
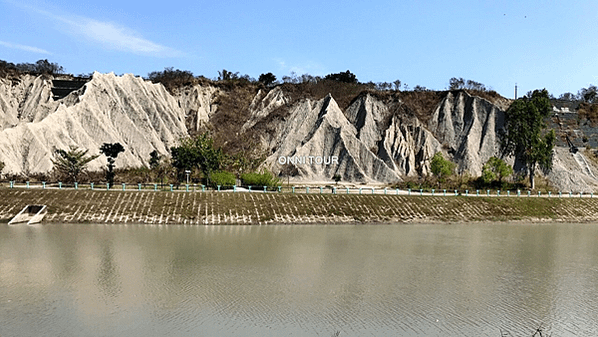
407	280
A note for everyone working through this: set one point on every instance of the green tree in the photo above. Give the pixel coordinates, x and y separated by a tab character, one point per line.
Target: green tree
267	79
347	77
111	151
226	75
154	161
495	169
524	135
158	166
71	164
441	167
198	152
397	84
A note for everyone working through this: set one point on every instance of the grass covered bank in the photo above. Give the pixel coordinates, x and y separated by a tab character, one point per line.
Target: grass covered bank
97	206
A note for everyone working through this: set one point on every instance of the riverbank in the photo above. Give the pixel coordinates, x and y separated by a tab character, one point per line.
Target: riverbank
148	207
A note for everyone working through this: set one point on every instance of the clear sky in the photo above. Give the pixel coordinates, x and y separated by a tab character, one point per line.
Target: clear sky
537	44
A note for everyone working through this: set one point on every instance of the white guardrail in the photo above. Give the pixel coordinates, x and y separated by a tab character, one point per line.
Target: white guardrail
297	190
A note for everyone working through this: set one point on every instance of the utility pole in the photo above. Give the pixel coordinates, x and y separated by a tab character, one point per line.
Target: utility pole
515	90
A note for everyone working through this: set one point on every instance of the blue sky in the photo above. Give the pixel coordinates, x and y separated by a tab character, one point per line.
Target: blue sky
537	44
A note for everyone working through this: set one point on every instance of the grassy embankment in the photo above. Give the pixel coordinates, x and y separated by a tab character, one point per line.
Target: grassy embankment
86	206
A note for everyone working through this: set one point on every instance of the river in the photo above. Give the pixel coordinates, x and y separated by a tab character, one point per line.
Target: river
299	280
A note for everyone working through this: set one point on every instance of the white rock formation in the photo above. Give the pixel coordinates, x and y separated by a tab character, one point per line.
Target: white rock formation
198	103
140	115
28	99
469	127
320	129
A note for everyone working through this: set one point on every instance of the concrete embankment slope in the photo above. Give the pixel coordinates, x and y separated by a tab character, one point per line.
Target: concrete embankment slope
86	206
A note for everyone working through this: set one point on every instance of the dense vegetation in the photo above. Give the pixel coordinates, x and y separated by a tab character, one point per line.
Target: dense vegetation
41	67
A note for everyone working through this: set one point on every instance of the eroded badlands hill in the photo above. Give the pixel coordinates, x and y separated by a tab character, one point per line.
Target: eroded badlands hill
374	136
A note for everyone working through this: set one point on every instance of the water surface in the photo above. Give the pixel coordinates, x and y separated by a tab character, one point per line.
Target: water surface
361	280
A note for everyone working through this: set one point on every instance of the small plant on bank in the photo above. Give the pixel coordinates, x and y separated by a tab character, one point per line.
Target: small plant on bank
337	177
223	178
260	179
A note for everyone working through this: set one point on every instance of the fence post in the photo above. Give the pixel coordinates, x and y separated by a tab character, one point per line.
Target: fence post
432	192
138	186
91	186
59	185
27	184
124	186
186	187
421	191
155	187
466	193
12	184
234	188
170	187
385	190
408	191
360	190
293	188
107	186
44	185
279	189
76	185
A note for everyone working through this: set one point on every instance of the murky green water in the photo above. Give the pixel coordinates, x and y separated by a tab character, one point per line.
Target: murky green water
379	280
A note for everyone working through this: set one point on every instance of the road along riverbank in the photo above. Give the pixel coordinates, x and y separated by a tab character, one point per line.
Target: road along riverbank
164	207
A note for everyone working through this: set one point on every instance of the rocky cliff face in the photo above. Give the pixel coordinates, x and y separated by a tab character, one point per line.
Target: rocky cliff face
139	115
377	142
376	138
